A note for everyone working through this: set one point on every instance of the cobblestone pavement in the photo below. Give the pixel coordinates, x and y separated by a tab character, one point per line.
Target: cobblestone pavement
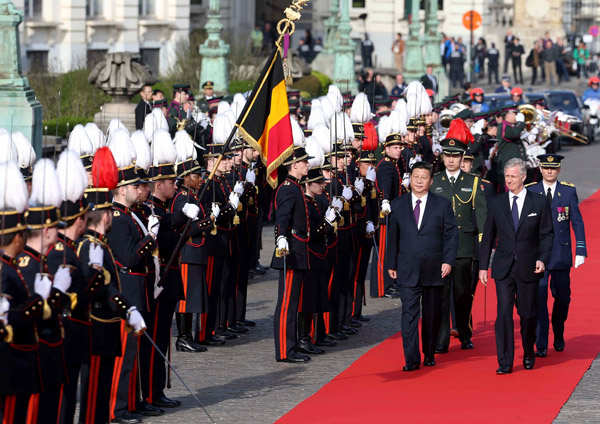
241	382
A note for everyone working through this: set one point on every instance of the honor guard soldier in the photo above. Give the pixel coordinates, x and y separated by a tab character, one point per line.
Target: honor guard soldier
76	318
469	206
109	308
565	214
179	115
509	140
389	186
292	233
19	344
133	245
42	232
194	256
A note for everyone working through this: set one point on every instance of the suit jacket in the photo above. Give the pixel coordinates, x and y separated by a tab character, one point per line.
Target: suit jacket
141	110
565	213
531	242
418	254
428	84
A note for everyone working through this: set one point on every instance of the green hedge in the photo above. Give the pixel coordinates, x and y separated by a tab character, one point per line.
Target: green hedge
325	82
309	84
241	86
49	126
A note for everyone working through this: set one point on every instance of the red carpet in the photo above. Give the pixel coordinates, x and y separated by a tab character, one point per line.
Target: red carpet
463	386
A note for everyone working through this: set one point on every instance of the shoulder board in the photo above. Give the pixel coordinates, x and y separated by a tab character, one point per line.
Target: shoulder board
530	184
472	174
24	261
567	184
287	183
59	246
116	213
485	181
437	173
183	193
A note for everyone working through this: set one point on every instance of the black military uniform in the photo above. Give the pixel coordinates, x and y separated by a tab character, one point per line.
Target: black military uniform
176	116
141	110
291	223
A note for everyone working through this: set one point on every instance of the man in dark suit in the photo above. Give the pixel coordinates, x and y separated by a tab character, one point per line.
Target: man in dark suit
423	241
565	213
144	107
429	81
522	223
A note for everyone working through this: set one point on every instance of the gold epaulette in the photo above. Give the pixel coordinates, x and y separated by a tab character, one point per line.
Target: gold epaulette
567	184
530	184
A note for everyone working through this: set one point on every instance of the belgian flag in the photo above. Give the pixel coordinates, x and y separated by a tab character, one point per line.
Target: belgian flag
265	121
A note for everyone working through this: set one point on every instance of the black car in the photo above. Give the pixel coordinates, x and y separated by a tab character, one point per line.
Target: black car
497	100
567	101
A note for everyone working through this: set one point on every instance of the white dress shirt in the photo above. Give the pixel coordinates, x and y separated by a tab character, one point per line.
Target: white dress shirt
421	206
455	175
552	188
520	200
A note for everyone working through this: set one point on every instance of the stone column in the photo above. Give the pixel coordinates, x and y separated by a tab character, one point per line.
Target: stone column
331	25
19	108
214	52
414	46
343	69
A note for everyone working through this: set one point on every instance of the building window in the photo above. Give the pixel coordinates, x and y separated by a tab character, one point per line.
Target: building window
94	57
147	7
32	8
359	4
196	2
94	8
151	57
38	61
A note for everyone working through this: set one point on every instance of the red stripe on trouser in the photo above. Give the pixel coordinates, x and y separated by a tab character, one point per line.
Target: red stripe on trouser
32	409
60	403
380	277
360	251
152	355
92	389
131	403
204	317
283	314
117	371
9	409
313	330
301	296
184	278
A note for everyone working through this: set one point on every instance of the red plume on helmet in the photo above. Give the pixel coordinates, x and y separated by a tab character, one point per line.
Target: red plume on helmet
370	140
105	173
460	132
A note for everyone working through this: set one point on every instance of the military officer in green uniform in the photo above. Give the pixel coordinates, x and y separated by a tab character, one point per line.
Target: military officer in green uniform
509	140
469	204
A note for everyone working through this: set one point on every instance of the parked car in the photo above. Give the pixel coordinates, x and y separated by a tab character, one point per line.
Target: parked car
568	102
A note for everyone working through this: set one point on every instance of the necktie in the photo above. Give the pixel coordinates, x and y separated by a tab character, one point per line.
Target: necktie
515	213
417	211
549	195
452	180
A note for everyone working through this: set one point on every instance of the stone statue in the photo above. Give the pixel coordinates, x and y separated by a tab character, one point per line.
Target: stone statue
214	6
121	76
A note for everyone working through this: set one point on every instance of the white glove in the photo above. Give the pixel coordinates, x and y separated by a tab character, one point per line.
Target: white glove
359	186
135	319
385	206
251	177
347	193
337	203
216	210
153	224
371	174
370	227
239	188
282	245
330	215
406	180
62	279
531	138
412	161
96	255
42	285
488	164
234	200
520	117
437	148
4	307
190	210
579	260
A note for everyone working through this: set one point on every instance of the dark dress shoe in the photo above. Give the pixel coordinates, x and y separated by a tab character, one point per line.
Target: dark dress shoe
441	349
541	353
503	370
213	341
165	402
227	335
238	329
344	329
259	271
185	344
394	289
454	332
307	346
128	418
411	367
295	358
247	323
148	410
429	362
338	336
466	345
326	343
363	318
354	323
263	267
559	345
528	363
